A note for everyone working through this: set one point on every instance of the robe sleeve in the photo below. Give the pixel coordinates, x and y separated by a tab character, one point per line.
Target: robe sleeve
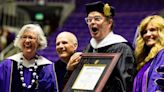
126	67
47	79
160	81
156	73
5	70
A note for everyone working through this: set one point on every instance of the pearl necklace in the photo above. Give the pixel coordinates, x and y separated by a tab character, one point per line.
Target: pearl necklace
34	74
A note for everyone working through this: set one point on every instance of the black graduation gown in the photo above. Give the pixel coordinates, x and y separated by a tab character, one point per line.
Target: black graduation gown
121	79
62	74
60	68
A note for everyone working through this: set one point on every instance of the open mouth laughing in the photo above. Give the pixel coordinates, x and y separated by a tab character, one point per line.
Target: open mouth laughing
94	29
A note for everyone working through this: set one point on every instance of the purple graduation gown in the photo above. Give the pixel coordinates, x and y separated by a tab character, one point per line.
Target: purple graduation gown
145	80
10	78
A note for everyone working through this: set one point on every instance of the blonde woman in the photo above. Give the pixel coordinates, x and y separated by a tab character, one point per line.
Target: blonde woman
149	54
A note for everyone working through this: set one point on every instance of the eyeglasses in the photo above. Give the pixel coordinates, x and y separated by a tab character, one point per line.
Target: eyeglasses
96	18
28	37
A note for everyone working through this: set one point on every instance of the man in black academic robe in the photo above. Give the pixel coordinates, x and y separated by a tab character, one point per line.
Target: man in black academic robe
104	40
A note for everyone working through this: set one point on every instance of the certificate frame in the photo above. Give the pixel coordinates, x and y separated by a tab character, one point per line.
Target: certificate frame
103	62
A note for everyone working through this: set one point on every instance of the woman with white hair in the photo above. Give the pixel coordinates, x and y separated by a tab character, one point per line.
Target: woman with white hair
27	71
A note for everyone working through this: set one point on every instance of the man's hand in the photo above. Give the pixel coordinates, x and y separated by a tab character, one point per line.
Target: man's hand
74	60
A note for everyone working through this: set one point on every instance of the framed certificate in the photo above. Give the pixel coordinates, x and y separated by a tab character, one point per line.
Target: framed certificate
92	72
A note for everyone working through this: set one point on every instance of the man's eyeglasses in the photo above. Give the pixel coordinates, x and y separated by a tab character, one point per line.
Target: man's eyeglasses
96	18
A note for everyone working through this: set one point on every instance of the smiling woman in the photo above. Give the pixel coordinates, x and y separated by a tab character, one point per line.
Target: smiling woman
150	35
29	70
149	53
29	44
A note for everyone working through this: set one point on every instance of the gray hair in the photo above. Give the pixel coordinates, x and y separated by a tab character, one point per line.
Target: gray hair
35	28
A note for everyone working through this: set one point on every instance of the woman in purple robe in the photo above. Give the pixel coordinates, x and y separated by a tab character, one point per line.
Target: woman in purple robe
28	71
149	53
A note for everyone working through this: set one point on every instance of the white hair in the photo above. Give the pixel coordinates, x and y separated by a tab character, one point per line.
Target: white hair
42	41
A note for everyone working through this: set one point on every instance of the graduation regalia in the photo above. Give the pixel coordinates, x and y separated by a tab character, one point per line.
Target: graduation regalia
121	79
60	68
62	74
150	77
10	78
